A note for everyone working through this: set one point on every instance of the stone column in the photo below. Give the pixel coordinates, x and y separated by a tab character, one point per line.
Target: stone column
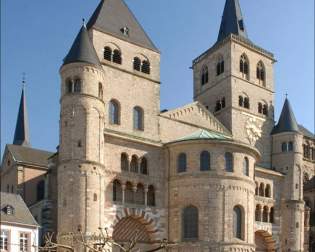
123	193
146	190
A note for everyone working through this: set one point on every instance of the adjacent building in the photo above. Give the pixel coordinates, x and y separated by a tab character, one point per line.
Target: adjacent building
19	229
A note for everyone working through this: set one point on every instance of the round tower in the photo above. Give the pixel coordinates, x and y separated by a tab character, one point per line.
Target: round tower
81	148
287	158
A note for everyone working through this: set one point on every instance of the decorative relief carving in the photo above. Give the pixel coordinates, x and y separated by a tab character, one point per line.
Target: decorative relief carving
253	130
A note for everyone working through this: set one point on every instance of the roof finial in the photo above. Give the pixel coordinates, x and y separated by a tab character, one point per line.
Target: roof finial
23	80
83	22
286	95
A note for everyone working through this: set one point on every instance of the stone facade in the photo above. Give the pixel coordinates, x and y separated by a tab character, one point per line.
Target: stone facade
108	174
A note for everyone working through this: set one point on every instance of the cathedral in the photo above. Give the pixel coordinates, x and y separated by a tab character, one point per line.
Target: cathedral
218	174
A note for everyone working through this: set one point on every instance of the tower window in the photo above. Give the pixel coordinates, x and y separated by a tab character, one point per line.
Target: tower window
220	65
114	112
138	118
69	86
77	86
229	166
144	166
134	164
246	166
290	147
260	73
238	222
241	101
241	25
136	64
260	108
284	147
246	103
244	66
108	53
117	57
204	75
145	67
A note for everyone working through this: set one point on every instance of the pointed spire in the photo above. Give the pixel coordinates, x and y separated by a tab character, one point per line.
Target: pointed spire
21	135
115	18
232	21
287	121
82	49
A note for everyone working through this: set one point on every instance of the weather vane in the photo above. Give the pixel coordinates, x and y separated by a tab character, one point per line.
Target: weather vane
23	79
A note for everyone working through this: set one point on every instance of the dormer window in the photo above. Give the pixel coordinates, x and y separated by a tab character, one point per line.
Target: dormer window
9	210
241	25
125	31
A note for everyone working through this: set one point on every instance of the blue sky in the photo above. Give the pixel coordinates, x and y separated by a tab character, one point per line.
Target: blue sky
37	34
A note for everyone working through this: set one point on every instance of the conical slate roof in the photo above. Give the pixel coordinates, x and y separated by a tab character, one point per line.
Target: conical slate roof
82	50
287	121
232	21
114	17
21	135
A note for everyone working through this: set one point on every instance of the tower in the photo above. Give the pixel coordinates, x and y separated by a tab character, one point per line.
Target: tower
234	80
287	157
21	135
81	149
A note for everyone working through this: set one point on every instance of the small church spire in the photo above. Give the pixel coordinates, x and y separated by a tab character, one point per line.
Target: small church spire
232	21
21	135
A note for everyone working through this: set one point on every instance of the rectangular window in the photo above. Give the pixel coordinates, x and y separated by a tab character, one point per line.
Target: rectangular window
4	238
24	242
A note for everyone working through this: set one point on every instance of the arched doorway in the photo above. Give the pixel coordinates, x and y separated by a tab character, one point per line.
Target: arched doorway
264	242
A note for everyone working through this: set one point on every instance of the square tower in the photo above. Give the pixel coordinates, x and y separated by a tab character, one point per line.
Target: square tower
234	80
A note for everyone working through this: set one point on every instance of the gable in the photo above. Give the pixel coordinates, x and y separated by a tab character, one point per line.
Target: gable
195	114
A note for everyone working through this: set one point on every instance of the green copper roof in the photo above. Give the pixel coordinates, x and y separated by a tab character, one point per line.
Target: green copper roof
204	135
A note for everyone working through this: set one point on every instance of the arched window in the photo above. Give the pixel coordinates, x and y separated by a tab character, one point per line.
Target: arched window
218	105
108	53
136	64
244	66
262	190
220	65
284	147
204	75
117	191
144	166
190	223
117	57
138	118
139	197
40	189
290	146
124	164
241	101
134	164
146	67
260	72
77	86
246	166
266	214
151	196
181	163
205	161
229	162
271	215
100	91
265	109
260	108
246	103
129	195
258	213
69	86
268	191
238	222
114	112
223	102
